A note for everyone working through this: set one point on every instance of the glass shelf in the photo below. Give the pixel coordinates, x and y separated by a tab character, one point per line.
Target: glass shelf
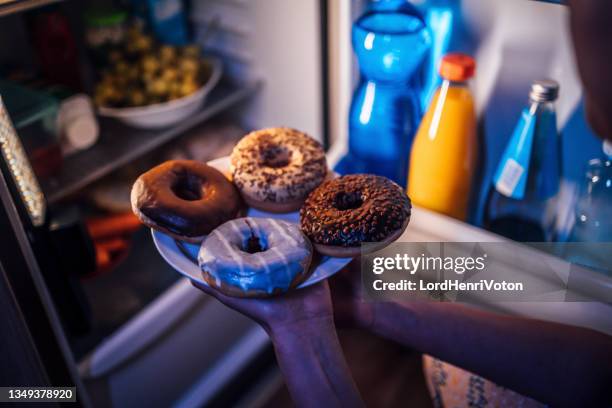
8	7
119	144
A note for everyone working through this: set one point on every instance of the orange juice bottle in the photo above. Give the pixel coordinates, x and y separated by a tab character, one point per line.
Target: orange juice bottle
443	156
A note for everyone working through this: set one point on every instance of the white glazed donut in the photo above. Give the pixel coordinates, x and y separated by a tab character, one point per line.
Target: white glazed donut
255	257
275	169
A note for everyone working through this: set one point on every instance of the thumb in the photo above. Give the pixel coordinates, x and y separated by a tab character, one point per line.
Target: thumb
205	288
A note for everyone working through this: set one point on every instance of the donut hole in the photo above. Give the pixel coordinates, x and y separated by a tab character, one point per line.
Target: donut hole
348	200
188	187
254	244
276	156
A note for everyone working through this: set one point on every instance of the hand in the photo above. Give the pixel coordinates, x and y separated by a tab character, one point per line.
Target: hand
351	309
301	327
295	308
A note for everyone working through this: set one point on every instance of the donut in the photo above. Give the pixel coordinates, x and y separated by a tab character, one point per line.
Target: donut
275	169
344	212
255	257
185	199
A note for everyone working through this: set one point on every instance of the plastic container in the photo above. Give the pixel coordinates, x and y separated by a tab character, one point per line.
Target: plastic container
391	42
443	156
77	124
522	203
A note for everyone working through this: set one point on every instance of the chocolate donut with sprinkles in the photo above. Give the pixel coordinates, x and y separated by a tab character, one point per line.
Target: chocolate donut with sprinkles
275	169
344	212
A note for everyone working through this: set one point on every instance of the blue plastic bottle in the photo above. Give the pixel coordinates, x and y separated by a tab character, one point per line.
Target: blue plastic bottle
443	18
168	21
522	203
391	42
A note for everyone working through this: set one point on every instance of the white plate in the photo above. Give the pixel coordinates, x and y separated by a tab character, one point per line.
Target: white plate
167	113
182	256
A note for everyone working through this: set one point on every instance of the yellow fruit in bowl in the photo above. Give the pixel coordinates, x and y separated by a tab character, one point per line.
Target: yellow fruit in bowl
149	63
144	72
157	87
192	51
188	87
169	74
167	53
189	65
143	43
121	67
137	97
106	94
133	74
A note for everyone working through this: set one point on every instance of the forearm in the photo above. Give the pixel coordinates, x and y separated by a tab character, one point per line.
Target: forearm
553	363
312	362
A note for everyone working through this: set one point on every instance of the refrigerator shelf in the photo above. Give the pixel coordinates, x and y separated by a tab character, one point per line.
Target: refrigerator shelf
8	7
135	283
428	226
119	144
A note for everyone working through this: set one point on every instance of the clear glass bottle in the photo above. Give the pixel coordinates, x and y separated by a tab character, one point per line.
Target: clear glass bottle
391	42
593	216
522	202
593	222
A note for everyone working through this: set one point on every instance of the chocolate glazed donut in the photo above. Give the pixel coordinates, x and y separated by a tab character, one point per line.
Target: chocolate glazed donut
185	199
342	213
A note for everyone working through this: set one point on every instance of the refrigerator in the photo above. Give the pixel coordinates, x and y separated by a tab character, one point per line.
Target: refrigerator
141	335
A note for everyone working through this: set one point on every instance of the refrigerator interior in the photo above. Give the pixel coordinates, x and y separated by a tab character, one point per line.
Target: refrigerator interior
144	315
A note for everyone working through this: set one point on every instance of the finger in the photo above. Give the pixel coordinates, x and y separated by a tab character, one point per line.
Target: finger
209	290
205	288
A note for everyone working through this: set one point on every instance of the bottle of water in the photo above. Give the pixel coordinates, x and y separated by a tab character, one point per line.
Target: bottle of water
593	216
522	203
391	42
593	221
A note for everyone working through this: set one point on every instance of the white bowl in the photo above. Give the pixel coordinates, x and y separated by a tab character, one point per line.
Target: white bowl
164	114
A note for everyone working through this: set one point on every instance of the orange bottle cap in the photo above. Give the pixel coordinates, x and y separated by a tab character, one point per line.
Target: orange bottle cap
457	67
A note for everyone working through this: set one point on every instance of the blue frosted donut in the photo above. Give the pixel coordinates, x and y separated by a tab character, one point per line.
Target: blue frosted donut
255	257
